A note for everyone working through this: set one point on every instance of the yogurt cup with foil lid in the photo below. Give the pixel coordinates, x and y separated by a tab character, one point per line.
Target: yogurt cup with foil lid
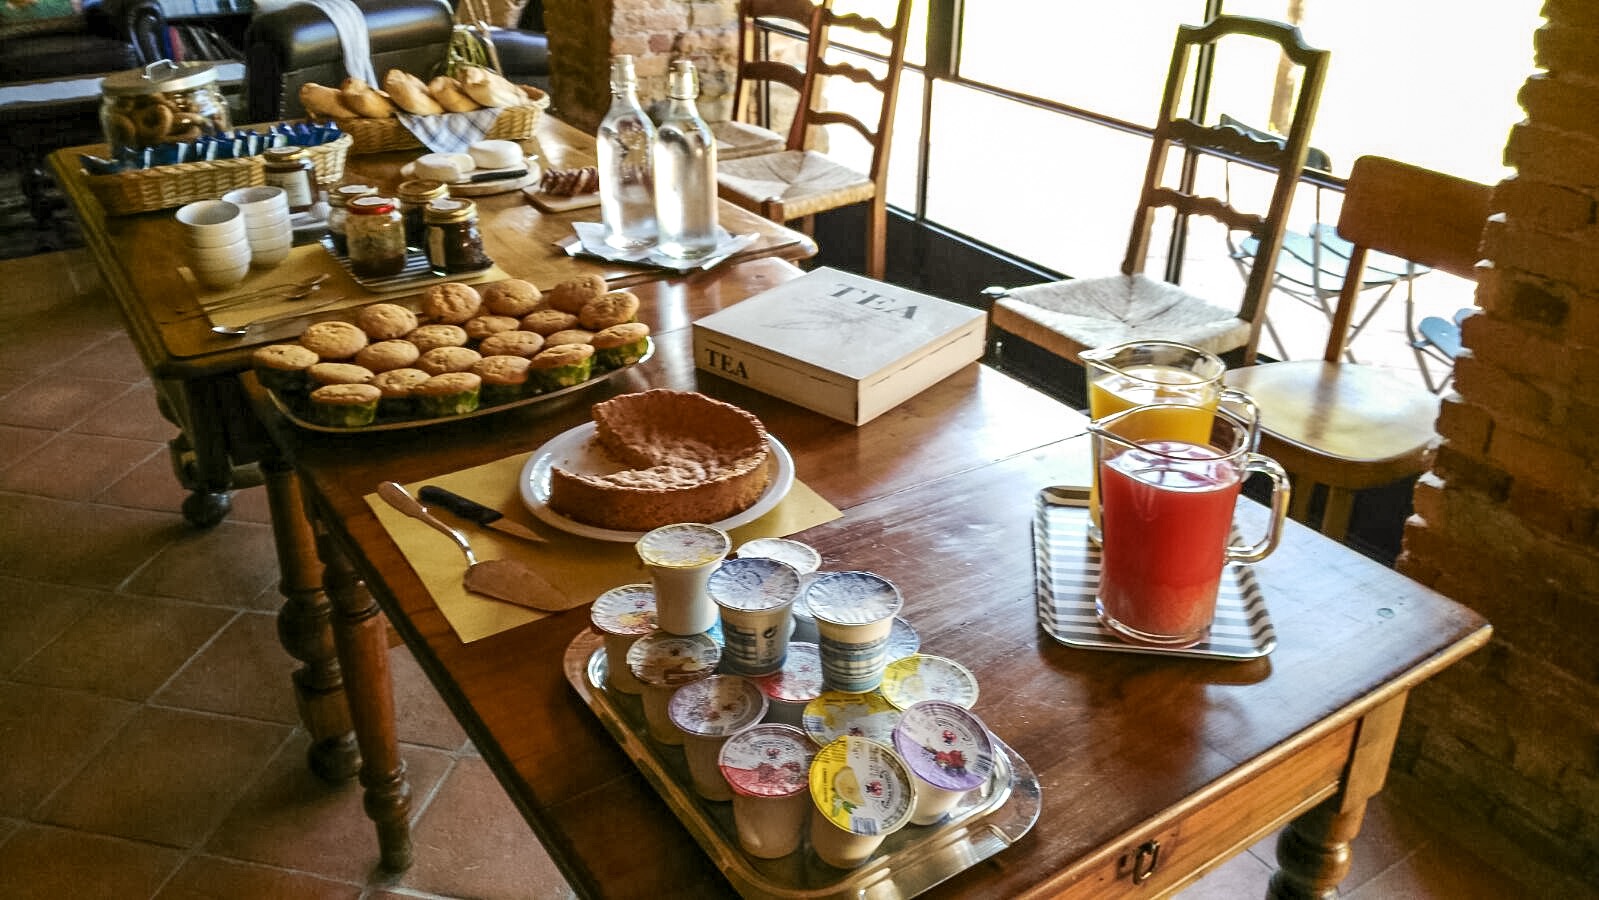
922	676
800	679
800	614
768	761
717	706
623	614
902	640
803	557
852	598
948	750
854	614
754	584
688	545
753	597
668	660
625	610
862	792
835	714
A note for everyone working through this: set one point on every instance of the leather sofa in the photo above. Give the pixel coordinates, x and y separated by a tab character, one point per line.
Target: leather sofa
297	44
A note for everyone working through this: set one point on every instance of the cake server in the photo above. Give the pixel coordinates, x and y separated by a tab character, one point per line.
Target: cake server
476	513
502	579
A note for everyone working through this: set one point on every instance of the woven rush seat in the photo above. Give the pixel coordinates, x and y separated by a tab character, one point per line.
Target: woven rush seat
1115	309
795	183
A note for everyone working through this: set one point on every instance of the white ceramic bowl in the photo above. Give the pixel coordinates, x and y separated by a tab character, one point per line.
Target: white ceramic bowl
261	200
211	223
220	256
271	235
267	257
274	219
219	275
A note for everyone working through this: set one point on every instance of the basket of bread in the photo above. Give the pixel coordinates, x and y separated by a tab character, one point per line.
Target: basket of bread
371	114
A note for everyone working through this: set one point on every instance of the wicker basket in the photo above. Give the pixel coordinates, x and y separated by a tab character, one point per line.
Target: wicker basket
163	187
515	123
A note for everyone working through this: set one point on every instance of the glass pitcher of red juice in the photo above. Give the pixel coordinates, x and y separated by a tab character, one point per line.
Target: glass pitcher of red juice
1184	381
1166	515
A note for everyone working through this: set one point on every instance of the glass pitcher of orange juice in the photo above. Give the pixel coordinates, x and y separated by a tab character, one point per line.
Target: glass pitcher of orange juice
1185	381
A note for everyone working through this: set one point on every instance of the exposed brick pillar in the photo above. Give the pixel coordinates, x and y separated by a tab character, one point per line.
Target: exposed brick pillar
585	34
1507	522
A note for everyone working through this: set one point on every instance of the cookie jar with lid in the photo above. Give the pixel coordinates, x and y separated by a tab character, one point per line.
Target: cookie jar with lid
162	103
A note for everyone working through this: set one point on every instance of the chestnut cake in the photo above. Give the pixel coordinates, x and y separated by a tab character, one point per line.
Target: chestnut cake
689	459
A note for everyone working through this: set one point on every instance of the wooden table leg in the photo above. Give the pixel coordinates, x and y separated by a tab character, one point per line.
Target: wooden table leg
358	631
305	629
1313	851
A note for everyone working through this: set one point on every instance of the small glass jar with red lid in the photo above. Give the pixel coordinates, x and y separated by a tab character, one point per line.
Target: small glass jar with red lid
376	236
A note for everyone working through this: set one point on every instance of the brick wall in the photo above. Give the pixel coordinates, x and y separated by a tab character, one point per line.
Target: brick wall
585	34
1507	521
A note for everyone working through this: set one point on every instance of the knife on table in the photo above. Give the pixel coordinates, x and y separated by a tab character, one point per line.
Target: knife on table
477	513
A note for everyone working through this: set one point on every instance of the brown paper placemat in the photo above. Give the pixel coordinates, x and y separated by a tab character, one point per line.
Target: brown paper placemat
581	567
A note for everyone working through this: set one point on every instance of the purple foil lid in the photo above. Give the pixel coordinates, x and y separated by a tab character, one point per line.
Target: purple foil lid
945	745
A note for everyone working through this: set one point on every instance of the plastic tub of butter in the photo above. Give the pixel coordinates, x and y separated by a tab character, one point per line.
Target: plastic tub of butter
707	712
768	768
623	614
862	792
948	750
663	663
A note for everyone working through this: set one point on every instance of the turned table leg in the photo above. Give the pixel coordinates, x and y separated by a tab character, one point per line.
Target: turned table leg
358	630
1313	851
305	629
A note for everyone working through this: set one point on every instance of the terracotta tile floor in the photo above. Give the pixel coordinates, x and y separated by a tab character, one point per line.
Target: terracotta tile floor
149	741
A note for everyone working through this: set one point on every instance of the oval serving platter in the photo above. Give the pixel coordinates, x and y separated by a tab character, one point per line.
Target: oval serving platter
402	424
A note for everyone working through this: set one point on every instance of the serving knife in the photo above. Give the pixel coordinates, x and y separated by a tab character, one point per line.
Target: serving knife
477	513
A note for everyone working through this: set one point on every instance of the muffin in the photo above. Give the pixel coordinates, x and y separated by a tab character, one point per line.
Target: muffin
569	336
386	321
429	337
344	405
447	359
511	297
396	386
512	343
548	321
569	296
385	355
451	303
620	345
504	378
325	373
554	368
479	327
282	367
333	341
450	394
612	309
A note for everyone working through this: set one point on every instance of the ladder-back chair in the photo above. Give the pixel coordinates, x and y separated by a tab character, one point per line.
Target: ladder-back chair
1067	317
766	85
796	183
1351	427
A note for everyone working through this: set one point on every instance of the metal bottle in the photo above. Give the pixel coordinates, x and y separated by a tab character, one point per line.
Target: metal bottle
627	185
685	171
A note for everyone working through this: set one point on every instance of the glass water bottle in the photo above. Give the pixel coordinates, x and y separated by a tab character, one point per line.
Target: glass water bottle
627	185
685	171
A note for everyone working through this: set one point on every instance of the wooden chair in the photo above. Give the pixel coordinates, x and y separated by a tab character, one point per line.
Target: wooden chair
765	86
1347	426
1068	317
797	183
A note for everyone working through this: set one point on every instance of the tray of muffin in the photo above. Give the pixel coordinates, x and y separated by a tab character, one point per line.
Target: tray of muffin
469	352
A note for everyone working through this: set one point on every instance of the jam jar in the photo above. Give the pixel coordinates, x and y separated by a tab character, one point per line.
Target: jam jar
162	103
338	200
414	196
454	243
291	168
376	237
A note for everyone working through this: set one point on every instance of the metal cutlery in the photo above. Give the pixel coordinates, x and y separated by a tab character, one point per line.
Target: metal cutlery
278	292
242	330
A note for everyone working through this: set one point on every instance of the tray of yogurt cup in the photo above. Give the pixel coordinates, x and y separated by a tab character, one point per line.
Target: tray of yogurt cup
794	787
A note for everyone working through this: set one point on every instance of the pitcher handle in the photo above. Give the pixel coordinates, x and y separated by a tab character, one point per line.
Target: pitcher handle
1243	406
1280	493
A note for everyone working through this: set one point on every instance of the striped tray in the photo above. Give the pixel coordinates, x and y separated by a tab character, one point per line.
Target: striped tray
1068	576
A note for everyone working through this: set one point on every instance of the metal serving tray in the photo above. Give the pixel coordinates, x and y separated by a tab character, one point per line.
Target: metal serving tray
910	861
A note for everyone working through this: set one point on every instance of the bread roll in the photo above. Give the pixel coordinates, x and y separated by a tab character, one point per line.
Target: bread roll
363	100
325	102
448	92
490	88
410	93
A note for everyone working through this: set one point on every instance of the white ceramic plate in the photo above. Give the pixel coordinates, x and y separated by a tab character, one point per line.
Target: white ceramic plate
572	450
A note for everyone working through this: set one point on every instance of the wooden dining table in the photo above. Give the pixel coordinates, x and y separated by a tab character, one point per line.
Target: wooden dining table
1151	769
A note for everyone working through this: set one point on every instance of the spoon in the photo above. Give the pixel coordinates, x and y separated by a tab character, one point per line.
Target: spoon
280	292
242	330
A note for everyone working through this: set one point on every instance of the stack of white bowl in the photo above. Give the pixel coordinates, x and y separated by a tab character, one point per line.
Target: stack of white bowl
266	223
218	245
